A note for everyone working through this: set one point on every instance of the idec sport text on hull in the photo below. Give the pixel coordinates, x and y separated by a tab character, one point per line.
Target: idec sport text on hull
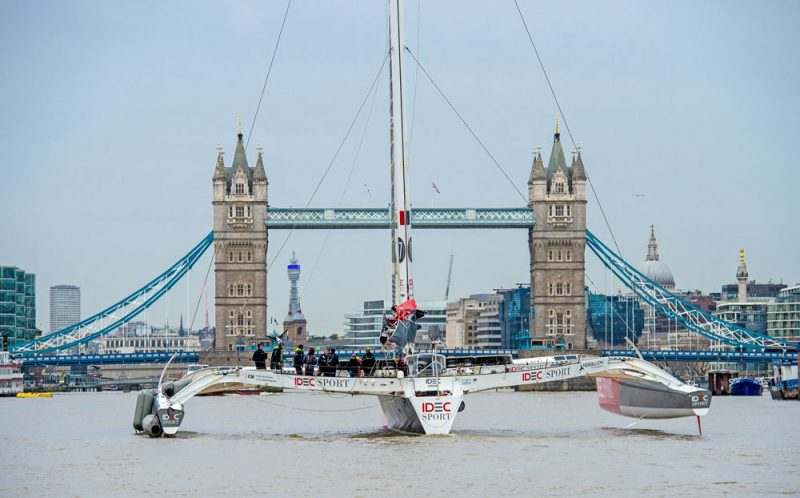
557	372
437	410
320	382
531	376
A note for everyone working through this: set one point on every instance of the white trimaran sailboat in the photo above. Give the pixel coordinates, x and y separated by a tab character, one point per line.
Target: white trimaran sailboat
428	397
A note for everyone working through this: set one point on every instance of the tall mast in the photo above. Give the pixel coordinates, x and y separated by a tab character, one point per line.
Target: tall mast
402	280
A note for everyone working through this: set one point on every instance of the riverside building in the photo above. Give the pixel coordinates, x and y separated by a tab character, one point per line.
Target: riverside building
783	316
17	306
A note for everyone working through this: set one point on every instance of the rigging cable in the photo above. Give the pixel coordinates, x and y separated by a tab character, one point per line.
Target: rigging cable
335	155
566	125
464	122
269	71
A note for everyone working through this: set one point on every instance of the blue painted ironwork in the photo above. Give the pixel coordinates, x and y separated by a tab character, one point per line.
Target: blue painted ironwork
705	356
320	218
675	308
109	359
117	314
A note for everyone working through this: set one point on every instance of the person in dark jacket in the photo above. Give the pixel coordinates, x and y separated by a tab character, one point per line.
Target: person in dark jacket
310	361
276	360
260	357
368	363
323	363
299	359
354	365
333	362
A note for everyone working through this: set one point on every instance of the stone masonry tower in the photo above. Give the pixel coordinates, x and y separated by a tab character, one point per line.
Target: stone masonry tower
557	244
741	277
295	322
240	248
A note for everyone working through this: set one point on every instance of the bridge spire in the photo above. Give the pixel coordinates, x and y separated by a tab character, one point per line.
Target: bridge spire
258	172
239	157
219	170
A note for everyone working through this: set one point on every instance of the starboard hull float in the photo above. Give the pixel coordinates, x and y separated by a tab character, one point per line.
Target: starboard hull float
647	399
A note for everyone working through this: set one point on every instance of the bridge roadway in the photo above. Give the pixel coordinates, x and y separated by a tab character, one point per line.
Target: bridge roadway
108	359
320	218
344	354
194	356
707	356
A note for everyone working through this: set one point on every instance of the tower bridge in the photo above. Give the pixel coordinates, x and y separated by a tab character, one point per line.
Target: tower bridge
555	219
243	218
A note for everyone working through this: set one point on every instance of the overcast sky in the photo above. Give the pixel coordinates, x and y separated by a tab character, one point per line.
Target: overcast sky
688	114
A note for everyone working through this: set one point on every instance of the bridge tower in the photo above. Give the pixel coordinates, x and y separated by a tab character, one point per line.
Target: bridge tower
240	249
557	244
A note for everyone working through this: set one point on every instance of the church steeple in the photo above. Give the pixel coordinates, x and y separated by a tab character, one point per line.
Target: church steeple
652	246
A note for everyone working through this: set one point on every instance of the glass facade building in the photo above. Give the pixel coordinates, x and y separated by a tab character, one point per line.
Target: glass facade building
516	320
17	305
611	319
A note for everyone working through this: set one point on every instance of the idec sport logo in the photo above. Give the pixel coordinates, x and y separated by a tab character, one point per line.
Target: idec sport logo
436	410
701	400
531	376
304	382
438	406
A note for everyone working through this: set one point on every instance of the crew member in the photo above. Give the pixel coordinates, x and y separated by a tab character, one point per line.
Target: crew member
260	357
310	361
354	365
299	359
368	363
324	367
276	361
333	362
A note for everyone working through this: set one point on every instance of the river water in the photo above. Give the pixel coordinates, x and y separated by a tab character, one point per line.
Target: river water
504	444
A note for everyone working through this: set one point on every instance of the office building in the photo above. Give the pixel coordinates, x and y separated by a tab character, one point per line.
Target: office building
65	306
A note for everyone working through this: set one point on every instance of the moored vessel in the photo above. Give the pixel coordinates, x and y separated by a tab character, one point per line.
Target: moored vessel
10	375
745	386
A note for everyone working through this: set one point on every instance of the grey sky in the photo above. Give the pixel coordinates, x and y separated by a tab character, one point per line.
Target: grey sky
111	112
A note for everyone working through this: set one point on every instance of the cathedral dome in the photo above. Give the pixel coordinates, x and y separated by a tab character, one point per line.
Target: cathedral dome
655	269
658	272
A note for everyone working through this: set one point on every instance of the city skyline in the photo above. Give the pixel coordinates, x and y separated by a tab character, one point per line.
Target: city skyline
696	140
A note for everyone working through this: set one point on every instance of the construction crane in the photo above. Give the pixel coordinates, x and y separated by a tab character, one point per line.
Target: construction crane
449	275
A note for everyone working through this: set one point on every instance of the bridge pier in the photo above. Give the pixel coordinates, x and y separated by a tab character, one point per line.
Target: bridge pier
240	250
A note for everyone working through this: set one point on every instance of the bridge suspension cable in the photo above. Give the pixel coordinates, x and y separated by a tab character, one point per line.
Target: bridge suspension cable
675	308
117	314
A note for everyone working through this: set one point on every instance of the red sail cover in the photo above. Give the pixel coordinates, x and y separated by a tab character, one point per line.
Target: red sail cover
403	310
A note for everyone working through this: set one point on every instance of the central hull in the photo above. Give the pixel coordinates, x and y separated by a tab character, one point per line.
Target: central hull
425	414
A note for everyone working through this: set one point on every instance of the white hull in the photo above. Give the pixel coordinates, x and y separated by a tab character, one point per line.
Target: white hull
428	405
